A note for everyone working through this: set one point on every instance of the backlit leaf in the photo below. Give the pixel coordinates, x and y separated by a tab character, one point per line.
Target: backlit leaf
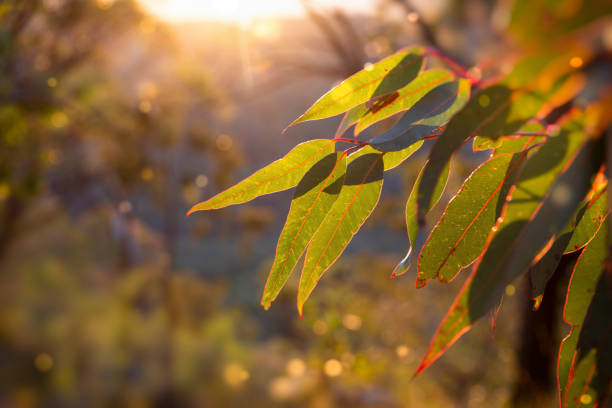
405	97
313	197
496	111
280	175
391	159
357	199
585	364
502	262
382	78
460	235
425	117
575	236
350	118
411	219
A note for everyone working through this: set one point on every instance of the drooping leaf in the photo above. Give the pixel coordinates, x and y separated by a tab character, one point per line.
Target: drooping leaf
313	197
585	364
425	117
460	235
277	176
506	256
392	159
382	78
357	199
496	111
404	98
589	223
411	221
584	224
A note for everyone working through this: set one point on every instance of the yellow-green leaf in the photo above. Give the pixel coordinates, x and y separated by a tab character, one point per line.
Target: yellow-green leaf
280	175
404	98
313	197
357	199
382	78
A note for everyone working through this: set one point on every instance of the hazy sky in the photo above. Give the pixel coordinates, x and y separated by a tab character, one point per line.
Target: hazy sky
241	11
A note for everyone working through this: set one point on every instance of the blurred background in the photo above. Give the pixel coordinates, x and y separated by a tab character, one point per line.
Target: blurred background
116	116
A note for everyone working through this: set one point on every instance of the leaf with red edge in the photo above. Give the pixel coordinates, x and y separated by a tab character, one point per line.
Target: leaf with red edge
426	117
404	98
497	111
584	367
460	235
357	199
280	175
575	236
411	221
382	78
524	216
313	197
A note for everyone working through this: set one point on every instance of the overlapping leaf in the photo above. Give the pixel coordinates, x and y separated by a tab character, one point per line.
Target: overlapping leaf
425	117
460	235
390	160
280	175
496	111
411	218
585	363
382	78
405	97
526	228
357	199
313	197
514	143
575	236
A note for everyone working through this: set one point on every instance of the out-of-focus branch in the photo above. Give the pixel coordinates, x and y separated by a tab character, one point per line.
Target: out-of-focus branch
426	30
351	62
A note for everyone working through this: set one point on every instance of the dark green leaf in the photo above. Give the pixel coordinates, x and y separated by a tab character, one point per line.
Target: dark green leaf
411	220
460	235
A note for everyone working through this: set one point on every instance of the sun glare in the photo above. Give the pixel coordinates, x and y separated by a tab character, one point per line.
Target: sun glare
243	12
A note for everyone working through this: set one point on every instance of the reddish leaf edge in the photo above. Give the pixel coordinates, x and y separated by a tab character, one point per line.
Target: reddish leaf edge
325	185
422	282
300	307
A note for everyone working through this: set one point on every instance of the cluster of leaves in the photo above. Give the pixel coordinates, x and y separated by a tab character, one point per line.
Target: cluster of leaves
539	195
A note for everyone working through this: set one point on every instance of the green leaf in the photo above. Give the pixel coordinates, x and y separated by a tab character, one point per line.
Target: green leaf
350	118
357	199
575	236
411	220
313	197
517	239
404	98
425	117
460	235
589	223
496	111
277	176
391	160
511	144
382	78
585	365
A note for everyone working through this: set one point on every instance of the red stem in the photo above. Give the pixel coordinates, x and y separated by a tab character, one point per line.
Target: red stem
434	52
354	141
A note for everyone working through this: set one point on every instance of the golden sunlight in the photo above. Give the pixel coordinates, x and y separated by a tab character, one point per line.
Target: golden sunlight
243	12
